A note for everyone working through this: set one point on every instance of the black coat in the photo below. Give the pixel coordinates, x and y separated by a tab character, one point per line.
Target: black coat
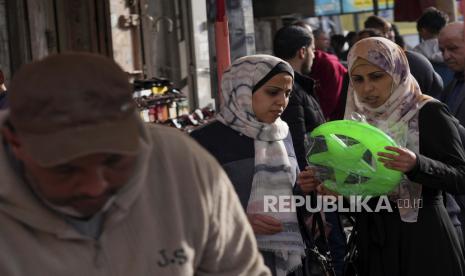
388	246
459	111
423	71
302	114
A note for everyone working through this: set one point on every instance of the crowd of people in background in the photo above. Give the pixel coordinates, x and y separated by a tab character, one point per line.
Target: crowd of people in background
186	208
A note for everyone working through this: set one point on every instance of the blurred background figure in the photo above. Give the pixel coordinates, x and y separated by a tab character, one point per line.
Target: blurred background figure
382	25
3	94
322	41
350	38
368	32
329	75
398	39
429	25
338	42
453	51
430	82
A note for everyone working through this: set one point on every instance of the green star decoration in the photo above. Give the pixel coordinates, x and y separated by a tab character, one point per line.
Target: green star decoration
348	153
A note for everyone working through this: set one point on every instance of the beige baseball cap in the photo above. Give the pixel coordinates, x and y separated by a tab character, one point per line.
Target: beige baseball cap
71	105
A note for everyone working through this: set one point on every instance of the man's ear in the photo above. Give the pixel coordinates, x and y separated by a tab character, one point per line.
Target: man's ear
301	52
13	140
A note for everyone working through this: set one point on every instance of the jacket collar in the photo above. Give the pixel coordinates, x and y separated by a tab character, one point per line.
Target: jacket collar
305	82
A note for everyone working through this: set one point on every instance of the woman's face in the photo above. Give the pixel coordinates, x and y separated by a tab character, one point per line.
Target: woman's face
371	84
270	100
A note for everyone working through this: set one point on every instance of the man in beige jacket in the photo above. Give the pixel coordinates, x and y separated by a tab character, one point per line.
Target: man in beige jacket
88	189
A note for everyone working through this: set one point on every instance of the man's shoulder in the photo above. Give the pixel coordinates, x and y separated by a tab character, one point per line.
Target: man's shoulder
175	147
417	59
211	130
172	141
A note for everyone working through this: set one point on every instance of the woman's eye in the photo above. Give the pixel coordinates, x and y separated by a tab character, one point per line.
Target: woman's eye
357	80
377	76
273	92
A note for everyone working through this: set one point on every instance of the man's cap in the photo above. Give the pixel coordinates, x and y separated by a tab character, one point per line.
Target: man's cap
70	105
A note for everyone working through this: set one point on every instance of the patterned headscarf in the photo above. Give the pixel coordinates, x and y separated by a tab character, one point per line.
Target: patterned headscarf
398	116
273	175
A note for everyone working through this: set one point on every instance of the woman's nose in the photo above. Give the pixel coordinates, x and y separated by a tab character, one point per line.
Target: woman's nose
367	87
281	99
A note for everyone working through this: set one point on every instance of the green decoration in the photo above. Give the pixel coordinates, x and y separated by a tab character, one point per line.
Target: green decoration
345	153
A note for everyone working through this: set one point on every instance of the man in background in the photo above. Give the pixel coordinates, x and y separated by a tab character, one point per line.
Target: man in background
453	50
295	44
429	25
322	40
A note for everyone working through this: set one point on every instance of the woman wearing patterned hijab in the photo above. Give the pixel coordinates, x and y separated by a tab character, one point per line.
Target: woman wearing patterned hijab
418	238
254	147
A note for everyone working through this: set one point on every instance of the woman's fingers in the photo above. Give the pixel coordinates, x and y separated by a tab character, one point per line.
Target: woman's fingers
404	160
307	180
268	220
388	155
265	225
322	190
395	149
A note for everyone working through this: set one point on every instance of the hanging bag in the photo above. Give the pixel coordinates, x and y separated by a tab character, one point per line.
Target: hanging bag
316	262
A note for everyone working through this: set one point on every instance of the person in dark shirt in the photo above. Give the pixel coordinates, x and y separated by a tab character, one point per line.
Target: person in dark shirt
295	44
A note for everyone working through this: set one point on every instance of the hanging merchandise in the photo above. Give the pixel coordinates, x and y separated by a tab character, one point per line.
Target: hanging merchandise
189	122
156	95
159	102
344	153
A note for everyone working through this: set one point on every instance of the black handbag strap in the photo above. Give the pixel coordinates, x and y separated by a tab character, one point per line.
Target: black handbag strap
309	241
317	220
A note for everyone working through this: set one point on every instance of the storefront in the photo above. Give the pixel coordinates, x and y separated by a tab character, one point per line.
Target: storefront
171	40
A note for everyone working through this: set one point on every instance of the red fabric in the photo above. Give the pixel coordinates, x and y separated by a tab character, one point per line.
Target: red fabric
220	10
223	55
328	74
411	10
462	7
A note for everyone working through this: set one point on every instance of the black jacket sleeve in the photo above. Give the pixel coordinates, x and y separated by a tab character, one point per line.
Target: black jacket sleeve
441	162
294	116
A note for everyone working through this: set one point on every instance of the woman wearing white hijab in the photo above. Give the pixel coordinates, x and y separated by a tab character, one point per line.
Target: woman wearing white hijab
417	238
254	147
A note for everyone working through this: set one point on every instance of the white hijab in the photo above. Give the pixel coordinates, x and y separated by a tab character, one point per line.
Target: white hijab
273	176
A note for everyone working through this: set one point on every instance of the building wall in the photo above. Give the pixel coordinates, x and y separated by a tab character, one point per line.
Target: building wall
123	38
